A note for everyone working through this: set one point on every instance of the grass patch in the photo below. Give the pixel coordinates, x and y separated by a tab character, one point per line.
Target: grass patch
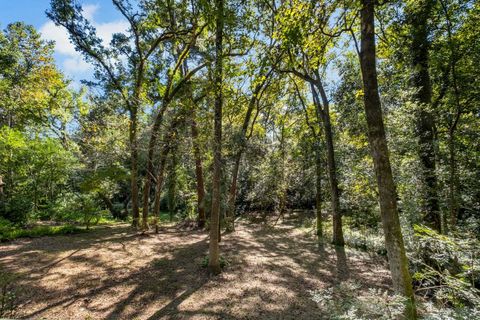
223	262
11	233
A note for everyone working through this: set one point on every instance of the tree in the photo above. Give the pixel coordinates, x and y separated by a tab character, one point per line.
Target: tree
418	15
214	262
397	258
308	43
125	79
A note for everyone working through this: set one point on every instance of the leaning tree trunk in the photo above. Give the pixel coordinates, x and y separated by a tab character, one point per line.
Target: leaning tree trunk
214	250
232	194
418	16
397	258
331	163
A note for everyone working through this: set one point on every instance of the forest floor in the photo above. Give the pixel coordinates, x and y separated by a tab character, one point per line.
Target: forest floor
115	273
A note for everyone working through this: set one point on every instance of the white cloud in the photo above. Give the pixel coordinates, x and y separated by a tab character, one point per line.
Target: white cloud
76	64
73	62
63	46
89	11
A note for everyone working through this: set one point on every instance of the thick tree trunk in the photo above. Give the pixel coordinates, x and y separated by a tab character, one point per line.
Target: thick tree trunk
378	143
214	251
331	163
418	16
134	165
198	173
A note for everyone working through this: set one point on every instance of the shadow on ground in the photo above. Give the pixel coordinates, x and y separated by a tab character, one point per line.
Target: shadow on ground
115	273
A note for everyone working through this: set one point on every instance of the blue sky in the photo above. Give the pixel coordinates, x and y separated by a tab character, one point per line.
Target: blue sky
100	12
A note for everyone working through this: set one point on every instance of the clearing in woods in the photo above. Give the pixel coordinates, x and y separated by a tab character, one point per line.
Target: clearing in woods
115	273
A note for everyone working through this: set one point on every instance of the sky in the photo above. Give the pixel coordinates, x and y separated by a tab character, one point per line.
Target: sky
100	13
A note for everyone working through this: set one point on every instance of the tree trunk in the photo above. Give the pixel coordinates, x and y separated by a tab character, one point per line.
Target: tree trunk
318	193
452	180
213	262
426	122
232	194
159	180
318	164
168	139
331	163
172	182
134	165
151	150
198	172
378	143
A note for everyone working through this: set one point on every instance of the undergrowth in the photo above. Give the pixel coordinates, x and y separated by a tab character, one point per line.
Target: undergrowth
10	232
445	268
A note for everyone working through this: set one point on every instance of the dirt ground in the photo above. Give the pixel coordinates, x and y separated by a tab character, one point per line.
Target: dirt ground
115	273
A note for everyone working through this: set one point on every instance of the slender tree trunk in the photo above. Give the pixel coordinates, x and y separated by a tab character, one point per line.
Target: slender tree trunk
452	183
318	164
418	16
134	165
172	182
2	196
198	172
331	163
168	140
150	154
318	193
397	258
159	185
232	194
214	250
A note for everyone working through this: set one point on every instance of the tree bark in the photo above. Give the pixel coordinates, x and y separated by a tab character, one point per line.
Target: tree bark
134	165
318	191
198	172
397	258
169	138
172	181
151	150
331	163
418	16
159	182
214	251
